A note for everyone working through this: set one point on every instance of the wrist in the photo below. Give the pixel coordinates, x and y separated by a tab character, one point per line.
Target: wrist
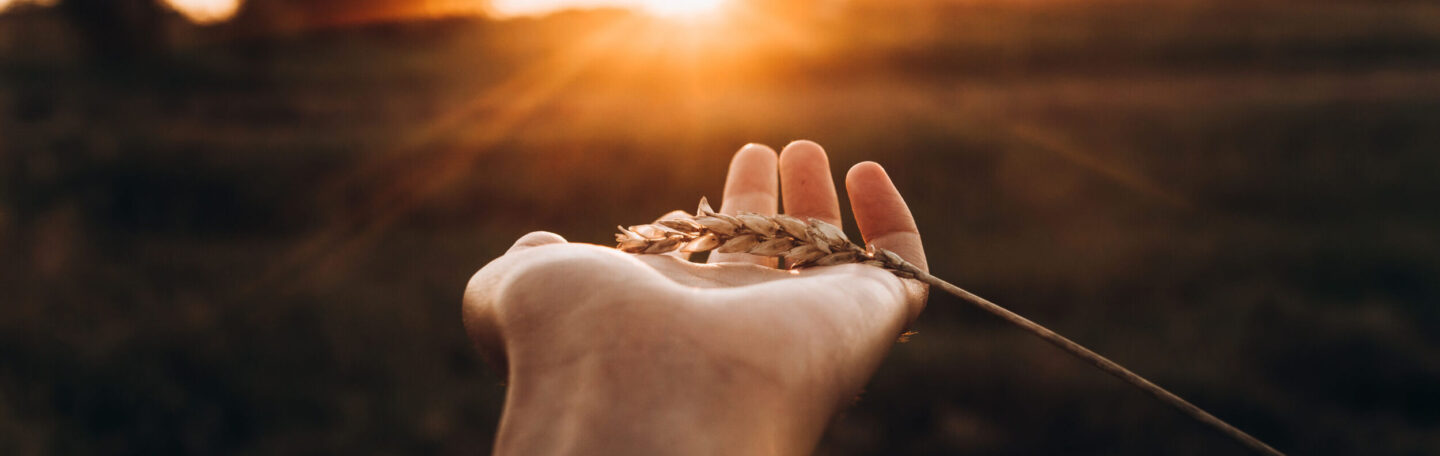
641	403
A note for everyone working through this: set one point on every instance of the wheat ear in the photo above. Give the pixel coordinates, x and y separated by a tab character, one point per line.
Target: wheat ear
815	243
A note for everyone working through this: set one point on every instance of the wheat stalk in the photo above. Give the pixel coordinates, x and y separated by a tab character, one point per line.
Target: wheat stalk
816	243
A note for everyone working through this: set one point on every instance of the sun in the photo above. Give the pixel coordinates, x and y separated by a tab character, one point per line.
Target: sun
662	8
205	11
680	8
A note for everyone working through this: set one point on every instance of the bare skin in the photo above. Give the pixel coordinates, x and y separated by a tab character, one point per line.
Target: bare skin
610	353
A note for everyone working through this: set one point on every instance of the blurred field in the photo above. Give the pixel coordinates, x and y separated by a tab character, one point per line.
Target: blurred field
255	243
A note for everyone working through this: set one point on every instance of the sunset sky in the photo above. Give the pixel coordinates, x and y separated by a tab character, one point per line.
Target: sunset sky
658	7
206	11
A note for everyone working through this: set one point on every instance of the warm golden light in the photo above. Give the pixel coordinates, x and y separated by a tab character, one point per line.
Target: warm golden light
205	11
667	8
681	7
8	3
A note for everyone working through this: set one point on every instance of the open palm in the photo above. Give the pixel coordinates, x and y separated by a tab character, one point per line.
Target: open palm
626	348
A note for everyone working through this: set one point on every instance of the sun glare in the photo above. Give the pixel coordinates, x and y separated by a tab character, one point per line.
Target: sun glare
665	8
673	8
8	3
205	11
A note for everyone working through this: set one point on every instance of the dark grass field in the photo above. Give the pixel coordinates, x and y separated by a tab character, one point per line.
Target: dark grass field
255	243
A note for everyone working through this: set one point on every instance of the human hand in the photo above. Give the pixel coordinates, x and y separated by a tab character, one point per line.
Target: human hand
612	353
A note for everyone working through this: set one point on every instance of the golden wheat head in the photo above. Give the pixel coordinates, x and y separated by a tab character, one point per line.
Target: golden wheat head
799	243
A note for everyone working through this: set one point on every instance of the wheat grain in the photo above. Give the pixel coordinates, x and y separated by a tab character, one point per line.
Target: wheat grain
800	243
816	243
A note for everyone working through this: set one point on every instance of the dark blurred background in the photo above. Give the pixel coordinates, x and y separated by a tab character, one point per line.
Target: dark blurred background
249	234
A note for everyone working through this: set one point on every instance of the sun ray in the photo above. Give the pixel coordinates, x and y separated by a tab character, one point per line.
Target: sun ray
515	101
1050	141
